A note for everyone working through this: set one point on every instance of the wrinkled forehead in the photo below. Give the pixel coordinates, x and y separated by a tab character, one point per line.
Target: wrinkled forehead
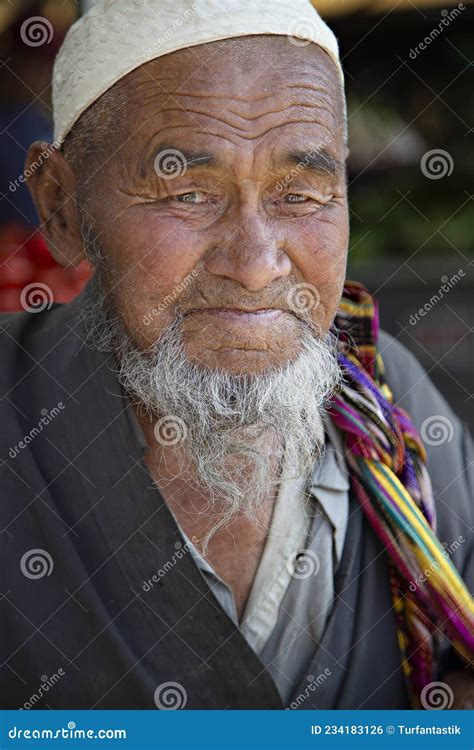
248	68
234	83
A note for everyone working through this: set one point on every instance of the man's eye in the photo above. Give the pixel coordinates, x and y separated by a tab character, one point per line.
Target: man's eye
191	197
296	198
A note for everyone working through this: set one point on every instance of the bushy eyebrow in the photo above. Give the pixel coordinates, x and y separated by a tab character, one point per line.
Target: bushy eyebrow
316	159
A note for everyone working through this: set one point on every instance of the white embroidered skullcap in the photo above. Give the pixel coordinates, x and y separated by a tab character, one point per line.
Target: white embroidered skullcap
116	36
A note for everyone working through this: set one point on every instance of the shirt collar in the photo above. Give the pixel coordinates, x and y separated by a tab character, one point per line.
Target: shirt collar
330	485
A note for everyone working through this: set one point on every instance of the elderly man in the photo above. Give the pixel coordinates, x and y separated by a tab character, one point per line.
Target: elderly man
213	495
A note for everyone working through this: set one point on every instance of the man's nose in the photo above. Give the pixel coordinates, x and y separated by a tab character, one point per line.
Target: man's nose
249	253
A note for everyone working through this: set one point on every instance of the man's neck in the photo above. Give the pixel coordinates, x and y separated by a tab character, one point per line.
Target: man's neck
234	551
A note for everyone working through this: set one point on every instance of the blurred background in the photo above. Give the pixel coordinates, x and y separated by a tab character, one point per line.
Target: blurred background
411	167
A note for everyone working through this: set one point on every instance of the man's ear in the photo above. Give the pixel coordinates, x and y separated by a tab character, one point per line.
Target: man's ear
53	187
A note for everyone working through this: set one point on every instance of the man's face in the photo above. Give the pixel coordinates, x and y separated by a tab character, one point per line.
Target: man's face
207	203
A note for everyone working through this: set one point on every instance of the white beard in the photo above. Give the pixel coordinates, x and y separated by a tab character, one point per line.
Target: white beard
229	428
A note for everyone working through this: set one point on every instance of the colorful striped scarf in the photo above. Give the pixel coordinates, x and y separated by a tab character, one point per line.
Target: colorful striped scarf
387	464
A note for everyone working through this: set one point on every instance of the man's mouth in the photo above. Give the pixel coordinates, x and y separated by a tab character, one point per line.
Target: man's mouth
239	315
